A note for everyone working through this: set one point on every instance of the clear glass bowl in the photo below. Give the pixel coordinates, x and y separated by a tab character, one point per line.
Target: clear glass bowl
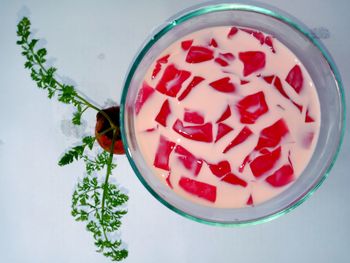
321	69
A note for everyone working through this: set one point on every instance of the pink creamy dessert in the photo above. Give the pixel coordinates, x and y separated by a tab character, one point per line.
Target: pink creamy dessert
227	117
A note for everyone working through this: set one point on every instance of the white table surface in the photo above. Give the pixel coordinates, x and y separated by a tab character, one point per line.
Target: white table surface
92	44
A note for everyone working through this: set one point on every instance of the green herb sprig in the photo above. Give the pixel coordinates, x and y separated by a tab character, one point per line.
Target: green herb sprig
96	200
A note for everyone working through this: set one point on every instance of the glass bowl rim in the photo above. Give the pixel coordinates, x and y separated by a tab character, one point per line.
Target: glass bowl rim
196	11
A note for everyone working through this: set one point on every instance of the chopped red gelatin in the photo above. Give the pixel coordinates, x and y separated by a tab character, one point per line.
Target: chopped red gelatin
220	169
158	67
278	85
259	36
165	147
269	42
228	56
221	62
225	115
282	176
198	54
269	79
272	135
252	60
243	82
203	133
151	129
213	43
191	162
194	82
200	189
244	163
223	85
265	162
295	78
250	200
185	45
171	81
193	117
223	129
143	95
308	118
300	108
234	179
233	31
167	180
163	114
252	107
241	137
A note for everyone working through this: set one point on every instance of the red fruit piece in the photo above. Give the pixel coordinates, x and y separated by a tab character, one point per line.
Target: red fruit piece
250	200
295	78
223	129
185	45
193	117
158	67
265	162
223	85
171	81
221	62
252	107
233	31
165	147
143	95
308	118
203	133
272	135
191	162
213	43
281	177
234	179
252	60
241	137
269	42
163	114
198	54
225	115
220	169
269	79
243	82
200	189
167	180
194	82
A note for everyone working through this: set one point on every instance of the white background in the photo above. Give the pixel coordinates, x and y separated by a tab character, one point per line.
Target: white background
92	44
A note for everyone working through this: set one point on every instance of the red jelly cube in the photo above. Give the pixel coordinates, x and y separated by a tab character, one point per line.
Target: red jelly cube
158	67
278	85
198	54
185	45
203	133
234	179
191	162
295	78
167	180
165	147
243	82
259	36
171	81
252	61
213	43
272	135
223	85
163	114
244	163
225	115
250	200
265	162
227	56
193	117
200	189
194	82
252	107
143	95
233	31
269	42
308	118
269	79
223	129
241	137
220	169
281	177
221	62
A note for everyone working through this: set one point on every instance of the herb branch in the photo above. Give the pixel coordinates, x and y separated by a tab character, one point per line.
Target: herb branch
96	200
